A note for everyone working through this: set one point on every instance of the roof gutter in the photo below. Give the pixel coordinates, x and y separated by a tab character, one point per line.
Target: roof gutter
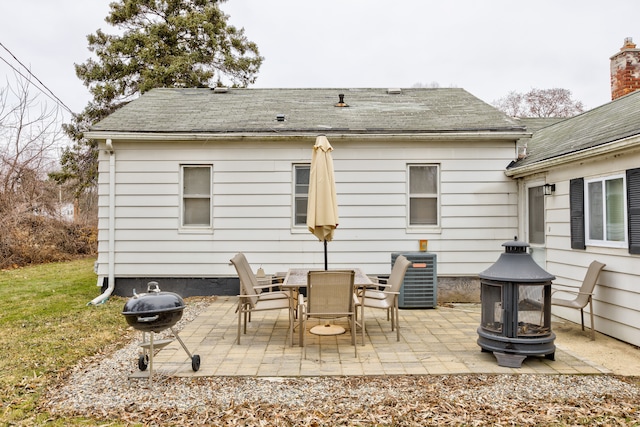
632	143
275	135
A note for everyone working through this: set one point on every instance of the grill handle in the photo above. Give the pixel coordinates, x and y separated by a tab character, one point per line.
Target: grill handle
148	319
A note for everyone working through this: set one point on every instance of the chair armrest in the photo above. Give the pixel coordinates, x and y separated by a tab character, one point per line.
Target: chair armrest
571	292
265	286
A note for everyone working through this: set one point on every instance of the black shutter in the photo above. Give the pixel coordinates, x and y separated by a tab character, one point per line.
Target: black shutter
576	200
633	207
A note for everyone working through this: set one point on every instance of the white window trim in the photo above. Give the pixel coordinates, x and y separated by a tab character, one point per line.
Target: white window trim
419	228
195	229
587	218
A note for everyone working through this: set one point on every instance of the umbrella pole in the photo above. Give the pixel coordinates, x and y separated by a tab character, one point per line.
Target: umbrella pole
325	255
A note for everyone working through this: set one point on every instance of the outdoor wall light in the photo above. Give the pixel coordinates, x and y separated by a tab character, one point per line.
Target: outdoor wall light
549	189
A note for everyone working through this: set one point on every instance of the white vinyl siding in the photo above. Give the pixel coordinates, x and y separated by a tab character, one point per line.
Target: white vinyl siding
252	206
617	295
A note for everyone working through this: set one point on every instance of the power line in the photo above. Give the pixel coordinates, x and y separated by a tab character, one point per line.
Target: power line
50	93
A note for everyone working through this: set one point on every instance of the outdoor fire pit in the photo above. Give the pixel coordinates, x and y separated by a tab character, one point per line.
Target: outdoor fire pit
153	312
515	295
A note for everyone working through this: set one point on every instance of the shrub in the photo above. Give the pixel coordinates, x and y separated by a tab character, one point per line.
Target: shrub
34	239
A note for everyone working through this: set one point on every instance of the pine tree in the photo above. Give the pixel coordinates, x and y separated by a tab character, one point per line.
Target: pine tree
161	43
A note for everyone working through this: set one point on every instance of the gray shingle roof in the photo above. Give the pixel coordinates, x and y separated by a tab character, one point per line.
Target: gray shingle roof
202	110
608	123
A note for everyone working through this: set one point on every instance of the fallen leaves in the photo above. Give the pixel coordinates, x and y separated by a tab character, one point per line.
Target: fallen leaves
395	400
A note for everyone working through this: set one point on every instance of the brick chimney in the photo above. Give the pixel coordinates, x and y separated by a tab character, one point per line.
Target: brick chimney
625	70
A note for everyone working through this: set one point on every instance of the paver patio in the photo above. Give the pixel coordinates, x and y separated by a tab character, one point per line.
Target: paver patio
433	341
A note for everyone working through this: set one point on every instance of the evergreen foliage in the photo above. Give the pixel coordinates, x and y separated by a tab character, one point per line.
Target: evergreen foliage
160	43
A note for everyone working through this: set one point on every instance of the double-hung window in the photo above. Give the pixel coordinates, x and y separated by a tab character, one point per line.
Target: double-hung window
196	196
423	195
301	194
606	211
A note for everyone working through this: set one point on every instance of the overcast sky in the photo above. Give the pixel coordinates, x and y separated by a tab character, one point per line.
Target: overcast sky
488	47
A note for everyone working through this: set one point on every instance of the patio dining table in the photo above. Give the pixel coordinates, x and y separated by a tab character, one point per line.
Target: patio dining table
296	279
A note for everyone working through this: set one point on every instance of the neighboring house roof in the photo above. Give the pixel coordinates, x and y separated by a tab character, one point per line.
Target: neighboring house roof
608	123
369	111
534	124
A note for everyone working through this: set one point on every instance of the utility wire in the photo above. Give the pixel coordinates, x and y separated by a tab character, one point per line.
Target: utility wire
50	93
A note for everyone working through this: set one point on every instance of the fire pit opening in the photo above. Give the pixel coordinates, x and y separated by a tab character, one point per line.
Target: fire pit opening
515	296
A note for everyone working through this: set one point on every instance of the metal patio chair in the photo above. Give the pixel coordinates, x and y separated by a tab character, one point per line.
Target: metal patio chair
583	296
250	300
387	298
329	296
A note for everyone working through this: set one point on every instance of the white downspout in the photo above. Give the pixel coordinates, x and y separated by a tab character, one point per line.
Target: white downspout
111	228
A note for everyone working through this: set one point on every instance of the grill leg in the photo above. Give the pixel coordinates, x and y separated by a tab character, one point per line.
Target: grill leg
151	357
184	347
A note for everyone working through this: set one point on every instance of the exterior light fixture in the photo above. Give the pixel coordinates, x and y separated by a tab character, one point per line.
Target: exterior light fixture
549	189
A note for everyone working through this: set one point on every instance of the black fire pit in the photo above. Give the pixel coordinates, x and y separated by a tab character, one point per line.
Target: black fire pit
153	312
515	296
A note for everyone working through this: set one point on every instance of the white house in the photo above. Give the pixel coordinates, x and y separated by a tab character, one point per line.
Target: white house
189	177
592	162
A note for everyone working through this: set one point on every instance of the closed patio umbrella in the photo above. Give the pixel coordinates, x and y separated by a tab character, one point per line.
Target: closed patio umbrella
322	207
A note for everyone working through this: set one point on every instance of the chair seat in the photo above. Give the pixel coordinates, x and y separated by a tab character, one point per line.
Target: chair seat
271	304
274	295
372	293
376	303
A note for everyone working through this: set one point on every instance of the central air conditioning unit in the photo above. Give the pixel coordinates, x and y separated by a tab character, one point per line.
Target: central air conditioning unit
419	289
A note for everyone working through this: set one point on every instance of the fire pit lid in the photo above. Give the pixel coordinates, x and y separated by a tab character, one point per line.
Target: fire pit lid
516	265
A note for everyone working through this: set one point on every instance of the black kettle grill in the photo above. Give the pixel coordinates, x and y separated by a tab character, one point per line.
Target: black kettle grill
153	312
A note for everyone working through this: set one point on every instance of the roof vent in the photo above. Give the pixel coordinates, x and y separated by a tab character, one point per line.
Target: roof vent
280	117
220	89
341	102
394	91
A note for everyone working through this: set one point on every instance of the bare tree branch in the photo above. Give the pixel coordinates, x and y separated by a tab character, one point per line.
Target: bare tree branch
554	102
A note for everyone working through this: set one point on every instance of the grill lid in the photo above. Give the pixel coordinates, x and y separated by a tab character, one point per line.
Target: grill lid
152	302
516	265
